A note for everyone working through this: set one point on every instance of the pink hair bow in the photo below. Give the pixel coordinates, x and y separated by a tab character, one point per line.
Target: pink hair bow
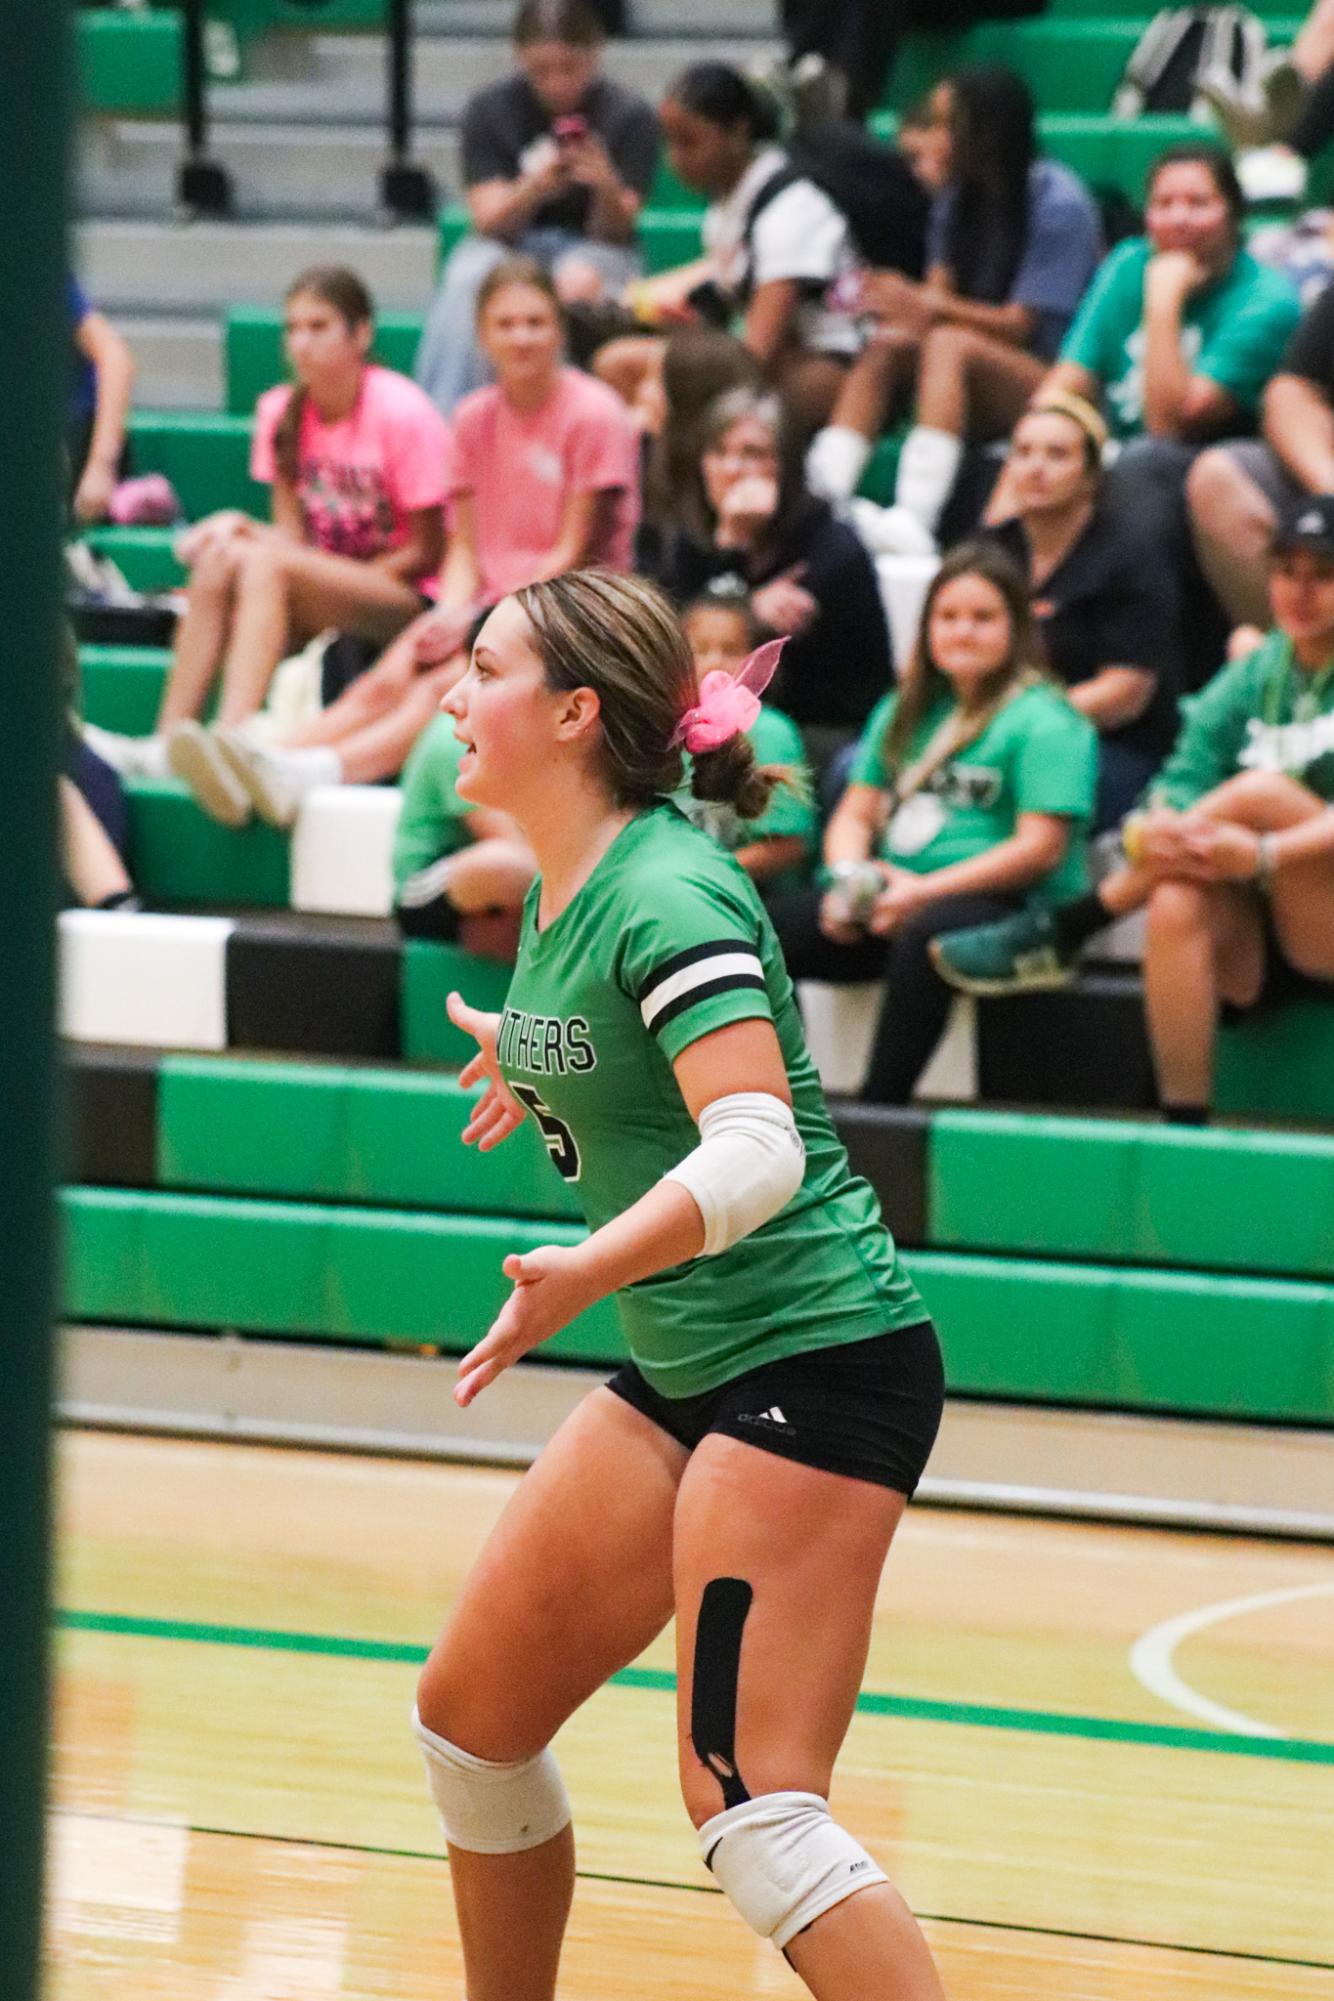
728	703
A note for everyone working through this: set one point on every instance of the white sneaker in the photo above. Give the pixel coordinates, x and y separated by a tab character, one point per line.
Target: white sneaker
277	781
1272	174
131	756
891	531
195	755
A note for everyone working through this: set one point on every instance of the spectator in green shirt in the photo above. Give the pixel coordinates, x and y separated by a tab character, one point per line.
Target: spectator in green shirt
723	630
1233	853
1178	336
461	872
971	790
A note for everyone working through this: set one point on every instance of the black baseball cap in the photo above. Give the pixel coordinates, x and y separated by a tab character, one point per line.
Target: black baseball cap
1308	526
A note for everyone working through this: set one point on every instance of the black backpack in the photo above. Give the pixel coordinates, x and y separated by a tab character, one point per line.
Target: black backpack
871	184
1180	48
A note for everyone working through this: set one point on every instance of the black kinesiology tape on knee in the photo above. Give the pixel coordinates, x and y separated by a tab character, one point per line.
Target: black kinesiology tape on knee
722	1616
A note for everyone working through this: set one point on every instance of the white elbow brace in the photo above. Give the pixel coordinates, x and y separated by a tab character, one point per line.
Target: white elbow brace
749	1162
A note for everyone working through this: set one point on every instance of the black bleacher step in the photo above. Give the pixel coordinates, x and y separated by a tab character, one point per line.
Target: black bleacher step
108	1115
1086	1048
314	986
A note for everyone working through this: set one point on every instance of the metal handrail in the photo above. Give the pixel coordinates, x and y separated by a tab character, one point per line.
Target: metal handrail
407	190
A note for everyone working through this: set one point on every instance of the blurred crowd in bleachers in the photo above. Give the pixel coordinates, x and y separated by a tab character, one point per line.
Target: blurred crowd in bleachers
1100	528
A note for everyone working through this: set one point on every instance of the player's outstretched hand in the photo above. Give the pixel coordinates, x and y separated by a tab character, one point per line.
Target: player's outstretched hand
497	1113
551	1287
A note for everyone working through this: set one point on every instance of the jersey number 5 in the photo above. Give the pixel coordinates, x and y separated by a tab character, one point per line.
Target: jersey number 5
560	1140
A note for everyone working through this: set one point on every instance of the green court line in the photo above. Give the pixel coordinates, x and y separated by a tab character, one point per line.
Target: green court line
911	1708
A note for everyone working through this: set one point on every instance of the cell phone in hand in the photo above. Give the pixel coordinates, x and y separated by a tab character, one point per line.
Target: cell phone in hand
569	131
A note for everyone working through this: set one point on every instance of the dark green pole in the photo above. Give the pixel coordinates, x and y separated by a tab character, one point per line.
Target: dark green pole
34	76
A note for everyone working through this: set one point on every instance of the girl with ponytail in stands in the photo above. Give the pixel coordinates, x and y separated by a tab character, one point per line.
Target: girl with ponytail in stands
357	457
746	1469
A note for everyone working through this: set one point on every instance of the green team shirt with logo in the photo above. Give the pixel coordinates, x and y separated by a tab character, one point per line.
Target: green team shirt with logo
1234	331
1038	755
1260	713
666	942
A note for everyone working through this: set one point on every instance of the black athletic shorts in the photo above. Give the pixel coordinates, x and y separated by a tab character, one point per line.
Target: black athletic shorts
868	1409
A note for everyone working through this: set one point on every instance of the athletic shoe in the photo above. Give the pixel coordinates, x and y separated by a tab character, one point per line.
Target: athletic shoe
131	756
275	780
195	755
1019	955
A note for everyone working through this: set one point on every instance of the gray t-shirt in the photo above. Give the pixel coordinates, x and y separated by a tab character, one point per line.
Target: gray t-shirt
1059	258
501	122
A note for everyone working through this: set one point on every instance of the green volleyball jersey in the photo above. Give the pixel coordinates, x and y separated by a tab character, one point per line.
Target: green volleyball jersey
666	942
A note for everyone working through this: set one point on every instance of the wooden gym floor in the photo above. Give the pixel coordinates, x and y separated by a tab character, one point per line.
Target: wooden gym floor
240	1815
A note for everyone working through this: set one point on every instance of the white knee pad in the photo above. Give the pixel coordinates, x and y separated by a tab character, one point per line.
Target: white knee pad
782	1861
493	1809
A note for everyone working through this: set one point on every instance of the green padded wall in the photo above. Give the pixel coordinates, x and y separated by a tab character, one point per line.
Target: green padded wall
1084	1334
429	972
180	856
254	358
122	686
1052	1333
144	556
320	1131
205	456
1280	1064
300	1268
1111	1188
129	63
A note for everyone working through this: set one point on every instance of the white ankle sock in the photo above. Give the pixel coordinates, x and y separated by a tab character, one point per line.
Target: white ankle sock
836	461
131	756
928	467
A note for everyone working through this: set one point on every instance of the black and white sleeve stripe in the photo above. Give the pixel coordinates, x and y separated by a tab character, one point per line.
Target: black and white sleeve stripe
697	975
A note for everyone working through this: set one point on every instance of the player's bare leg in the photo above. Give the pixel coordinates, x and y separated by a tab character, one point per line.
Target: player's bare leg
572	1585
810	1546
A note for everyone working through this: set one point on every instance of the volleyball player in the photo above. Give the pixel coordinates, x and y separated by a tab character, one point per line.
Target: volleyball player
747	1469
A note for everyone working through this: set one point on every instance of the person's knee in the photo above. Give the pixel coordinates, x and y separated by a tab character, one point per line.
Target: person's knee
265	562
1222	500
214	572
949	347
489	1803
578	282
462	1708
782	1860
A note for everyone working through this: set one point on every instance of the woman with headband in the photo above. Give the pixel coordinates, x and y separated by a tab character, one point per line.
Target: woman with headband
1104	603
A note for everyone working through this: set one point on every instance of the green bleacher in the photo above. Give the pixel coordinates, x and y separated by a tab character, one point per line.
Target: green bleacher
1108	1263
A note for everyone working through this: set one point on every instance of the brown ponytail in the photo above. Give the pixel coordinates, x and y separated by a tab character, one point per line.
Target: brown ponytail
731	775
333	285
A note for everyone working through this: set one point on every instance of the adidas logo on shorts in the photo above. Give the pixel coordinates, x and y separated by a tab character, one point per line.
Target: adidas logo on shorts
773	1418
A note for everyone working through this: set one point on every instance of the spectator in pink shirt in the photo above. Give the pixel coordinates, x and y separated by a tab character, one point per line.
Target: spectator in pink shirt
544	478
356	456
